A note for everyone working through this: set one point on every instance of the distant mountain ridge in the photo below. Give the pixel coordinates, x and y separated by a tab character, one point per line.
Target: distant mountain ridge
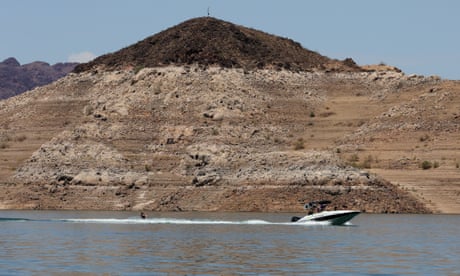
210	41
16	78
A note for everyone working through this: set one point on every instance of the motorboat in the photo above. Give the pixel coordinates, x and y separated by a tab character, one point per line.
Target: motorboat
336	217
333	217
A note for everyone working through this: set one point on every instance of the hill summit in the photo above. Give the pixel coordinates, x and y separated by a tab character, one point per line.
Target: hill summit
210	41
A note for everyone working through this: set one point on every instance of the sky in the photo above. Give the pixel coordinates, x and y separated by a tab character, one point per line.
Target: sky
417	36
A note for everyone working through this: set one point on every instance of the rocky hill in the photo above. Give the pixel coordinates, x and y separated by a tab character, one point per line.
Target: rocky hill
198	134
209	41
16	78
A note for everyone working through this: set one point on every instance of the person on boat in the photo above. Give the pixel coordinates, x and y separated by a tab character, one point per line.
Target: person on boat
143	215
321	207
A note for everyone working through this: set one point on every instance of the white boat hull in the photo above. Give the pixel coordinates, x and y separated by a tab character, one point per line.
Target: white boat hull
333	217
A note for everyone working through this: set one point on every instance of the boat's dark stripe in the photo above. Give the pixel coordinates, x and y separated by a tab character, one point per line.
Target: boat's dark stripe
335	216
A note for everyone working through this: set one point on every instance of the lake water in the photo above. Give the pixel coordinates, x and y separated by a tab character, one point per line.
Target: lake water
197	243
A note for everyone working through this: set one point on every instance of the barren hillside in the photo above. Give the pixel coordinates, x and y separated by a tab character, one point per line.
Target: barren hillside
196	134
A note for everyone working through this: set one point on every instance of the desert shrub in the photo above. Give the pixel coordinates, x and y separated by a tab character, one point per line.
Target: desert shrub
3	145
353	158
367	162
424	138
327	114
426	165
299	144
20	138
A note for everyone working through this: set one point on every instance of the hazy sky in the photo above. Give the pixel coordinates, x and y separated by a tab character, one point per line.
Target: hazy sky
418	36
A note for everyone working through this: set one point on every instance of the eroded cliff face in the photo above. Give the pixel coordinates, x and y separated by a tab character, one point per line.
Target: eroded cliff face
191	138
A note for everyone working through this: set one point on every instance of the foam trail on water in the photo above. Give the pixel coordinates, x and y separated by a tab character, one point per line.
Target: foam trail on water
163	221
186	221
183	221
136	220
14	219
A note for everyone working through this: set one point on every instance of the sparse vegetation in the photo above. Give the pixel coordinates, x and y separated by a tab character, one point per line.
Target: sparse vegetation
299	144
424	138
367	162
327	114
353	158
426	165
20	138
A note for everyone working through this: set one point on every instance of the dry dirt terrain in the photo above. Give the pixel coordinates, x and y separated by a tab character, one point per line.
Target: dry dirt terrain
247	129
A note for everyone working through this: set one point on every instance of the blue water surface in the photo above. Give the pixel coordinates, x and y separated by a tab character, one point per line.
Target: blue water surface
199	243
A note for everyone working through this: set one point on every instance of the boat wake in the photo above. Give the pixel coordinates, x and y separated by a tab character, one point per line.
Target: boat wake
174	221
188	221
14	219
161	221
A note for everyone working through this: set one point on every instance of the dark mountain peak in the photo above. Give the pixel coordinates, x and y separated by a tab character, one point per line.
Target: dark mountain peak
210	41
11	62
